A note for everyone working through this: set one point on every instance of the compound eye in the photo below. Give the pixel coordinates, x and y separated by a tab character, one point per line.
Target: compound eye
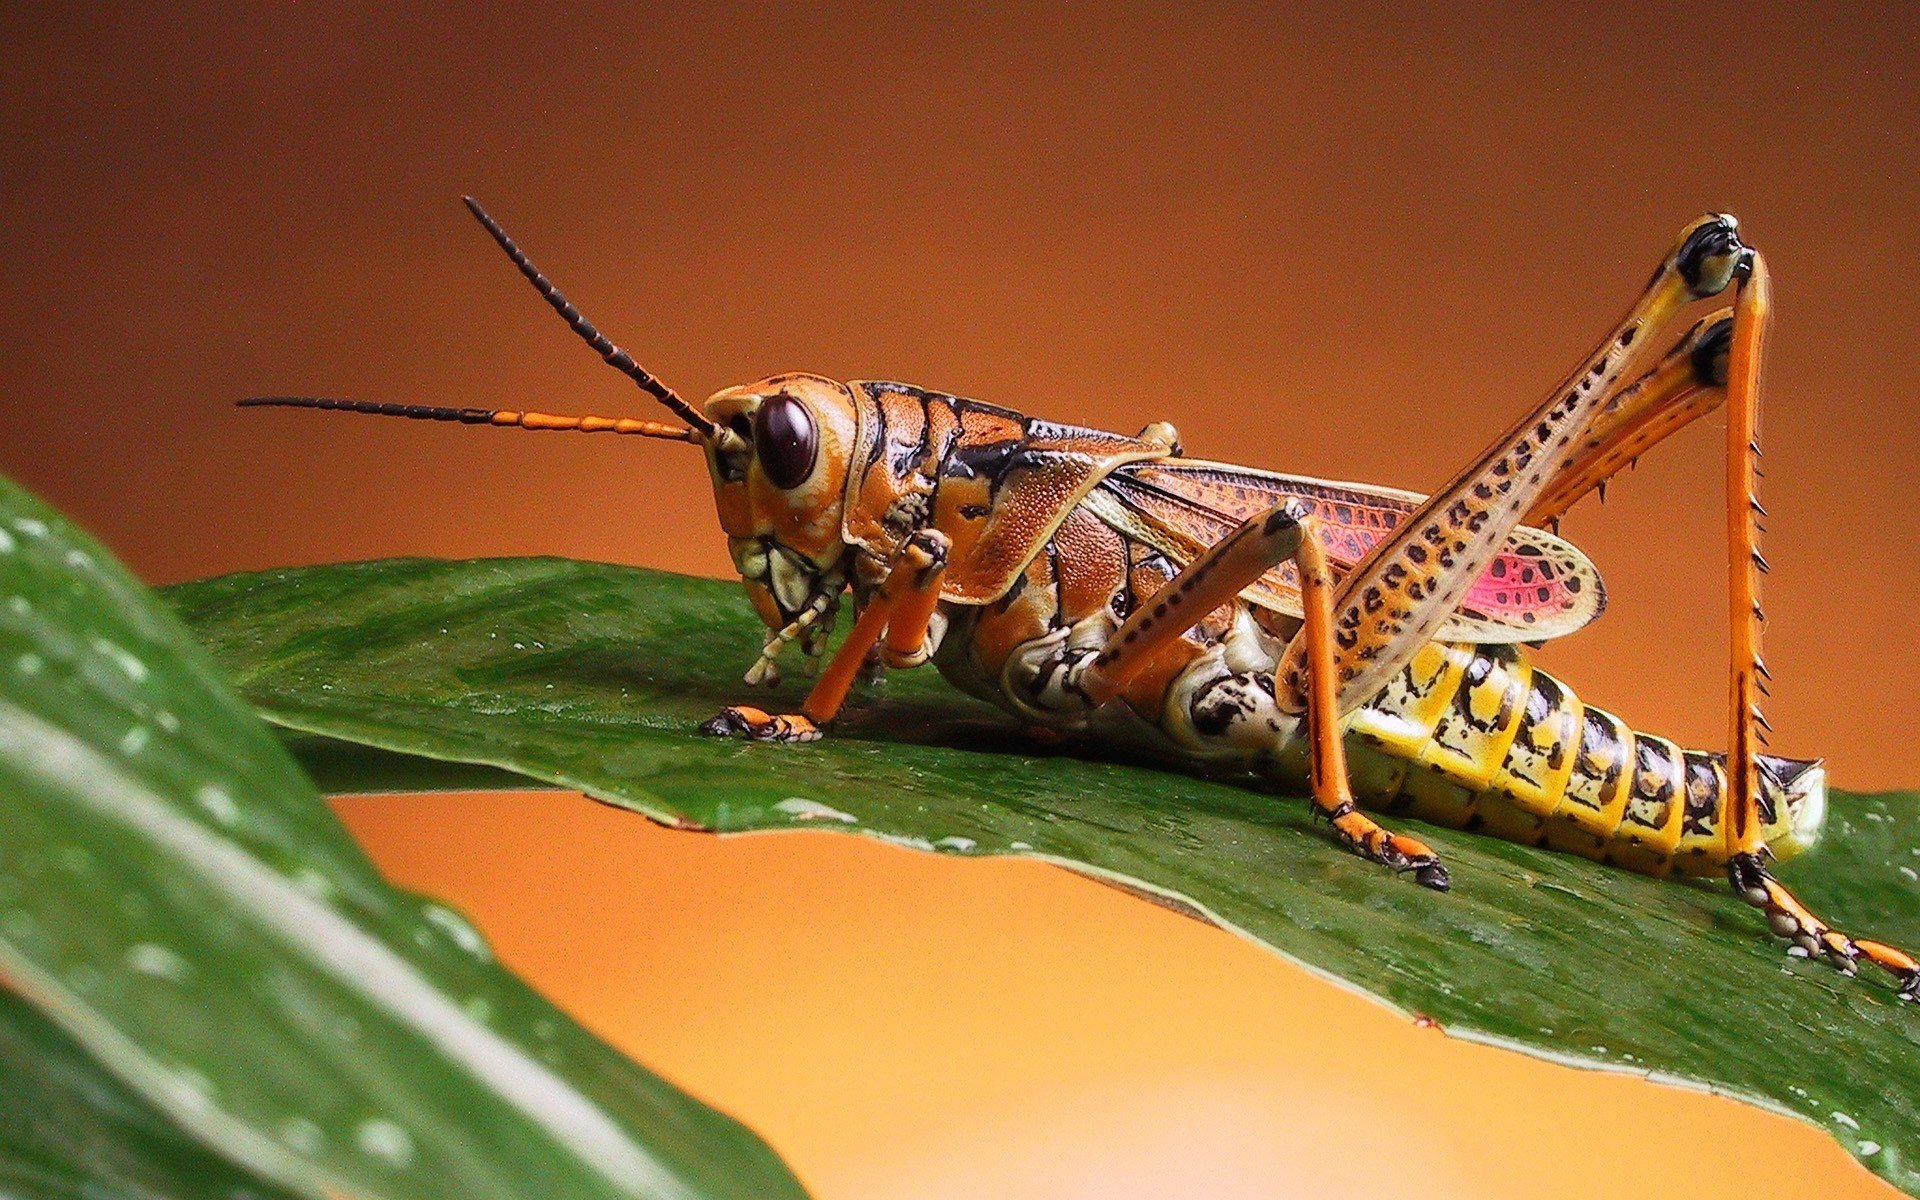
786	441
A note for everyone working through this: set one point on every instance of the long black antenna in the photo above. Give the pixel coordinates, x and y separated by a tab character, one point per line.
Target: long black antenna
616	357
480	416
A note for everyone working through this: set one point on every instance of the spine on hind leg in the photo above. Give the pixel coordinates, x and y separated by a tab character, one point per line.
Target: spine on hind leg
1476	738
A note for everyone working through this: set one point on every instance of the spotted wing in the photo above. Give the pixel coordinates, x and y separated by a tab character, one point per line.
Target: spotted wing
1540	586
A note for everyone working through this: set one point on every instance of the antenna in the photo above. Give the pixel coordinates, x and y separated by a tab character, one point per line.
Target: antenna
614	355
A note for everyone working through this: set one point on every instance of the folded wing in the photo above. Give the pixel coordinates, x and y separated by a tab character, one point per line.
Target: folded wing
1540	587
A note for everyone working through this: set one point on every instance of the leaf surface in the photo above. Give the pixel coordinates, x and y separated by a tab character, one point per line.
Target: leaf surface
595	677
178	898
71	1131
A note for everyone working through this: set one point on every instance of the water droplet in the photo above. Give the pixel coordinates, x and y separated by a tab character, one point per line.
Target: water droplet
1868	1149
79	560
122	658
1910	873
167	722
159	962
135	740
30	526
1846	1120
302	1135
519	645
20	604
385	1141
6	542
220	806
29	663
1020	846
802	809
455	926
189	1088
959	845
313	883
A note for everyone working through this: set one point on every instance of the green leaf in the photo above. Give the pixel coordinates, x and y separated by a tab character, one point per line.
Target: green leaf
179	899
595	677
71	1131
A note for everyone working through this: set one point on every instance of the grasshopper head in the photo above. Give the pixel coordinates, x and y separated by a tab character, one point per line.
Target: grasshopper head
779	465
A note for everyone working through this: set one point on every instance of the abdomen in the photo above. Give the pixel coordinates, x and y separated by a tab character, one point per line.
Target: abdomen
1477	738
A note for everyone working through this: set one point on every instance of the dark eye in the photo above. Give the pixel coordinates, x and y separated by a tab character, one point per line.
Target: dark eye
785	440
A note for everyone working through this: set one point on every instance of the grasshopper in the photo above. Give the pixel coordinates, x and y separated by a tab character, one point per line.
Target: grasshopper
1363	641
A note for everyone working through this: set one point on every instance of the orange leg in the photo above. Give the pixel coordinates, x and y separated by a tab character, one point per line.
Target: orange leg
1327	751
1287	530
901	611
1746	850
1719	362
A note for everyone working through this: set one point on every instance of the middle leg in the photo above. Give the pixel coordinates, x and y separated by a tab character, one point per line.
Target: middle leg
1287	530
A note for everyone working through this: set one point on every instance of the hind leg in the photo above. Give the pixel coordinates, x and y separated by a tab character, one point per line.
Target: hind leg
1719	363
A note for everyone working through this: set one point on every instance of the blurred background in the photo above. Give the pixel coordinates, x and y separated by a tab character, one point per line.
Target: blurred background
1346	243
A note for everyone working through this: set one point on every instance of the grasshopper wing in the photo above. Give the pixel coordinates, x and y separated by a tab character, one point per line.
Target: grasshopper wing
1540	586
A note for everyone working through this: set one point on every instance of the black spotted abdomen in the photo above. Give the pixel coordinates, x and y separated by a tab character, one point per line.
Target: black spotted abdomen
1476	738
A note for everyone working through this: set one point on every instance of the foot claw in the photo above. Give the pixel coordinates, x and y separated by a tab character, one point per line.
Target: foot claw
1394	851
761	726
1433	875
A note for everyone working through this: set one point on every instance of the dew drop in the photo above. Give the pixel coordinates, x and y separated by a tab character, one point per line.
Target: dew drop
302	1135
159	962
385	1141
79	560
802	809
189	1088
30	526
1868	1149
959	845
122	658
6	542
311	881
455	926
135	740
220	806
1846	1120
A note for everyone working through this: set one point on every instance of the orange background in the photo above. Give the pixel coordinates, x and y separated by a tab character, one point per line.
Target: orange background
1349	245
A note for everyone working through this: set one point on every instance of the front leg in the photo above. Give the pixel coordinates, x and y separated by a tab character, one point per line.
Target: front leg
902	610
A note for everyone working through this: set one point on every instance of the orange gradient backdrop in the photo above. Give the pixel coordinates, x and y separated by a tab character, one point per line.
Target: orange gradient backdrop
1352	245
